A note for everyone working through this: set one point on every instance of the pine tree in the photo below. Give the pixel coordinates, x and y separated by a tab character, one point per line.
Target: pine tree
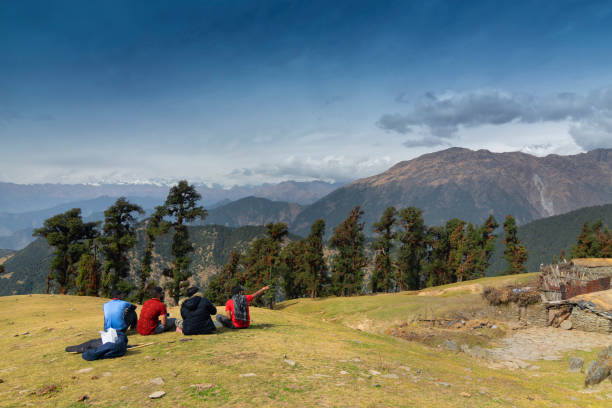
154	227
515	252
219	288
413	248
292	270
314	269
118	238
383	275
594	241
262	265
486	245
348	262
89	270
457	250
181	207
68	234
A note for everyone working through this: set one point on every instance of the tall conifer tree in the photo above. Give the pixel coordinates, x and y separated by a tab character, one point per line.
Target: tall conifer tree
515	252
181	207
348	262
413	248
118	238
383	276
154	227
68	234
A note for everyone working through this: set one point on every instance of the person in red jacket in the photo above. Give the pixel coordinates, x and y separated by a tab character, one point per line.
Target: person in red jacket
237	308
153	316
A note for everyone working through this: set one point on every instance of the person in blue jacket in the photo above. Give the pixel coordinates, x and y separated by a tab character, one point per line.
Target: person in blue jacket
119	314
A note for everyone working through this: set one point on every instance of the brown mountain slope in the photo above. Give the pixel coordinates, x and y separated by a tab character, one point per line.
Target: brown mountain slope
472	184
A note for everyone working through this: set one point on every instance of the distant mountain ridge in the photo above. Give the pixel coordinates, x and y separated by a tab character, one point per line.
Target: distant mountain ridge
253	211
19	198
471	185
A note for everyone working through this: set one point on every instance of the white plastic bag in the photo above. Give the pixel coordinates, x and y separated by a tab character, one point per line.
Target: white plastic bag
109	336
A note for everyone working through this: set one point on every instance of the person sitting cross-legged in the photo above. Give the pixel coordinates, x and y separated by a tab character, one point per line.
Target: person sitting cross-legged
196	311
153	316
237	308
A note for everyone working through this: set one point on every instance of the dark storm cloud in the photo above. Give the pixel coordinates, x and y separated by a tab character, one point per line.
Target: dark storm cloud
441	115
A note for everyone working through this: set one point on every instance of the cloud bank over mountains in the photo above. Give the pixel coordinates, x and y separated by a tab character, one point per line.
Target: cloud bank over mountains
438	117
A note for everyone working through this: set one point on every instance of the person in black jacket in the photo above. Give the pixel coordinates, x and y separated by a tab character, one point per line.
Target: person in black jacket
196	312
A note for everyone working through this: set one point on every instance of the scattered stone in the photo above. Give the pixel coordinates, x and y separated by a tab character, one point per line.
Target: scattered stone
157	394
521	364
84	370
374	372
566	324
247	375
465	348
377	385
202	387
534	367
284	356
52	360
590	368
451	345
47	389
598	374
494	326
344	372
465	394
106	374
187	339
83	397
123	387
24	392
356	360
445	384
147	357
404	368
24	333
290	362
393	376
575	364
157	381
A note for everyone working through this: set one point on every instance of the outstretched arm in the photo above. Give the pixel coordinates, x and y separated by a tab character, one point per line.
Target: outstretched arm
260	291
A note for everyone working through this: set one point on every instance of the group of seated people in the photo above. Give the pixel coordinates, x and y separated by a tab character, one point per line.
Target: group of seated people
196	312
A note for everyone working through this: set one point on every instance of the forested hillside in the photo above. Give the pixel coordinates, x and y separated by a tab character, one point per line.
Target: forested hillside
546	238
26	271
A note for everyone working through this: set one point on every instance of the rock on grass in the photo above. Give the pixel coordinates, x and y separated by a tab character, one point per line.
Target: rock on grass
575	364
157	394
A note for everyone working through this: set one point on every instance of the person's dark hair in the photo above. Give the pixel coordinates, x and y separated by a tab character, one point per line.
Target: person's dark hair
192	291
157	292
236	290
116	293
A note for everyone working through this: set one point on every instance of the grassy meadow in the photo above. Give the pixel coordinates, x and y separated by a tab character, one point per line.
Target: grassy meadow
341	353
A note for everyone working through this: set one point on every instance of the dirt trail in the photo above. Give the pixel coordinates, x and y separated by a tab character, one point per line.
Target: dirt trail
546	343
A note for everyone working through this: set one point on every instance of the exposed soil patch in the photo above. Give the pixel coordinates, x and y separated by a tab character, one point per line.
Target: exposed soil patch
546	343
434	332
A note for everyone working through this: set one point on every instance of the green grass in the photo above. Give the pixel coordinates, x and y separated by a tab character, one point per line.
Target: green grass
307	332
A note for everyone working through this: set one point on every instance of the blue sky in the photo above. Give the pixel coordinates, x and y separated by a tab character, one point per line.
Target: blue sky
237	92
